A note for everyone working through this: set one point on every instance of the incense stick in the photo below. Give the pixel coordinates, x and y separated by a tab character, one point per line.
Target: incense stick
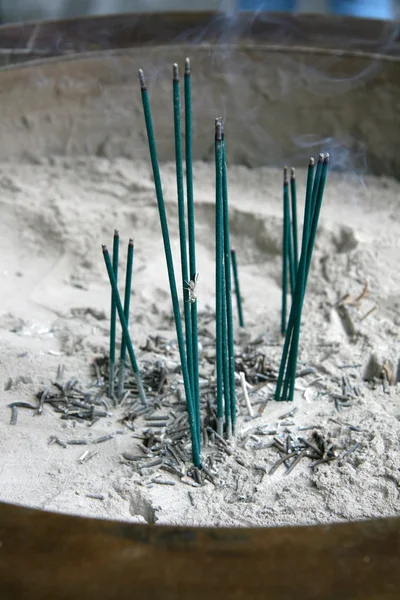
191	237
293	195
113	319
285	249
181	218
225	355
127	301
237	287
124	324
288	230
219	274
170	267
228	291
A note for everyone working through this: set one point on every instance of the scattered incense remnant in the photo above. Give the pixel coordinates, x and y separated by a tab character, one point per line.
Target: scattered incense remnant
181	218
14	415
113	319
124	325
192	239
296	461
170	267
127	301
245	393
237	287
294	219
219	271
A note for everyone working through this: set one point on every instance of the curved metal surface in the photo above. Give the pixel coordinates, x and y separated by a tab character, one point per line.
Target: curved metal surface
45	556
82	100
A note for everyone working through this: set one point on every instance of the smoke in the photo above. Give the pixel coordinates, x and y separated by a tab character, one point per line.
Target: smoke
285	88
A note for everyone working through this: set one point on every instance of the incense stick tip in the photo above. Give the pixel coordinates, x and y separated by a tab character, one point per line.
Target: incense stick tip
293	173
175	72
116	233
130	243
326	160
142	79
187	66
104	248
233	250
218	129
311	162
285	174
321	157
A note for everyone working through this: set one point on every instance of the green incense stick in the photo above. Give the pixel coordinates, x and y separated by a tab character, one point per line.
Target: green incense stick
191	237
124	325
225	357
113	319
170	267
219	272
127	301
181	218
285	249
289	241
293	195
228	293
237	287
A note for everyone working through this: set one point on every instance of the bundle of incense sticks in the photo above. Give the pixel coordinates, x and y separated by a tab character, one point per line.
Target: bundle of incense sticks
188	343
299	271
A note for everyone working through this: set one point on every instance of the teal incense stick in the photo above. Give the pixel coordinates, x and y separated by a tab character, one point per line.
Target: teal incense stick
191	237
228	293
219	271
195	436
181	219
288	236
127	301
293	197
237	288
124	324
113	319
285	258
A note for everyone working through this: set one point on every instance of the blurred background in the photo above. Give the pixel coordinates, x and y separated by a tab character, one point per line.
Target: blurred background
25	10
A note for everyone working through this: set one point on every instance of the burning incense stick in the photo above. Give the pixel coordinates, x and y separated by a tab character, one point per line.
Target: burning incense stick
127	301
170	267
293	195
113	319
237	287
124	324
181	218
192	238
228	292
219	273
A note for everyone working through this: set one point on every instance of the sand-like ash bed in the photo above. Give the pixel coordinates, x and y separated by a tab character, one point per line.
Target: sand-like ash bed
129	465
